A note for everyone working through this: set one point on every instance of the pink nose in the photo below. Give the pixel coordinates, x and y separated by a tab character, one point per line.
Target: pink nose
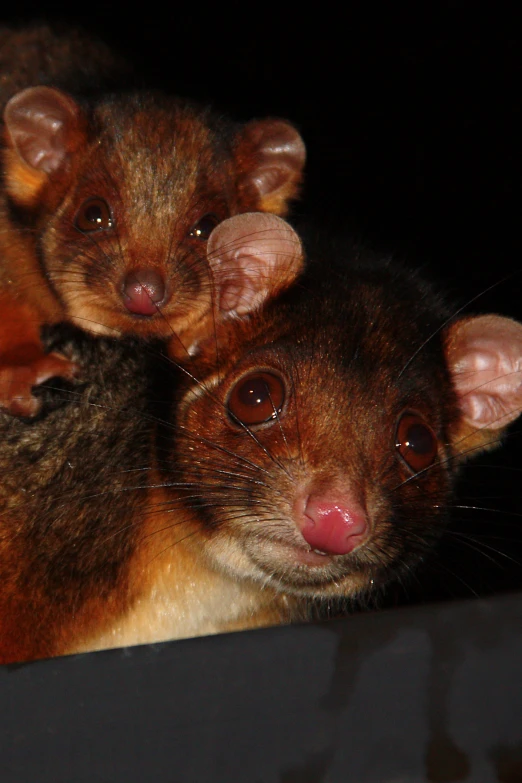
143	291
333	525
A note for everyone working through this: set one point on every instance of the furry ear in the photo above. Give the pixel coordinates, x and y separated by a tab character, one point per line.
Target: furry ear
252	257
43	127
270	157
484	356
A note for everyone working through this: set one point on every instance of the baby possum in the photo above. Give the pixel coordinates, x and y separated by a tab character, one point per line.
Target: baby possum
108	199
305	453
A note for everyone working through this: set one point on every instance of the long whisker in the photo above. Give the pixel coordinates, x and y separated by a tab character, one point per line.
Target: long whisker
437	331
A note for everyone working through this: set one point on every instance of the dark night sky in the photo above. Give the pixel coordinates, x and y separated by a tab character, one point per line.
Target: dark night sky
412	124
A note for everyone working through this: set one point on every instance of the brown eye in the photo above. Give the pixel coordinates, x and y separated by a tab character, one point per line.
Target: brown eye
256	398
415	442
93	215
203	227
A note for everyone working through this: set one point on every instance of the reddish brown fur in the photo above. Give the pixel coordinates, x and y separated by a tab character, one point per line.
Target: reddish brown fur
136	508
161	165
125	520
65	541
84	545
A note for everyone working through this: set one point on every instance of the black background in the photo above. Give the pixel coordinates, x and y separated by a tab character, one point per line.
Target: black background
410	114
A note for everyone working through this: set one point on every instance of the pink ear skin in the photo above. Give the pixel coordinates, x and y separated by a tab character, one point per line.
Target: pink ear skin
485	359
270	156
44	126
252	257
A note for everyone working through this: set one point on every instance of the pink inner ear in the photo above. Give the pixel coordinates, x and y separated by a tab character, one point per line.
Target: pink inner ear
279	152
267	179
235	293
40	122
485	358
252	257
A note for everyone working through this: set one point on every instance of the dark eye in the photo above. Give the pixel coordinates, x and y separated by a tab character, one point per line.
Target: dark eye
93	215
256	398
416	442
203	227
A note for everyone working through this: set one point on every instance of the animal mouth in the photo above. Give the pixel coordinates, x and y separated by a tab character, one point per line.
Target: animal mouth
294	553
295	566
311	556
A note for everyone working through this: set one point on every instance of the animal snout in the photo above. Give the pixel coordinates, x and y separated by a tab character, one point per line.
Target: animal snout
143	291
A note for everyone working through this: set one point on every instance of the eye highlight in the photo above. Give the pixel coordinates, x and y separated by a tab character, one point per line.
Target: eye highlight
256	398
93	215
415	442
204	227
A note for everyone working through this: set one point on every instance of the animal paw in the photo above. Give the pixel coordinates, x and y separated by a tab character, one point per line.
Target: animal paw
18	380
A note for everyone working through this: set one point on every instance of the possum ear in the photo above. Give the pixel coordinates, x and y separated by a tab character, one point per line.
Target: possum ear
270	156
43	127
252	257
484	356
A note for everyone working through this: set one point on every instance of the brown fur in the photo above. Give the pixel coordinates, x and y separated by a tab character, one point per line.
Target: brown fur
56	54
90	552
133	509
65	540
160	163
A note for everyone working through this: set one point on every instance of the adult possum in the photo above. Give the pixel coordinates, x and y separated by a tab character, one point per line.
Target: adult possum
306	453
